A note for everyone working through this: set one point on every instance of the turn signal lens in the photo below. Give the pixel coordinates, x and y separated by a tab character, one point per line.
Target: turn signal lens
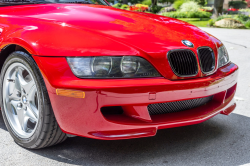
70	93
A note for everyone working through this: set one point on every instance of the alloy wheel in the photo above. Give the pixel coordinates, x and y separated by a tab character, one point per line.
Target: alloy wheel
20	100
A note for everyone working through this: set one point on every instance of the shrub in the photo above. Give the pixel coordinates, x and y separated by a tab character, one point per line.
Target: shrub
207	8
124	6
178	14
222	17
211	22
244	10
147	2
177	4
247	24
237	4
190	6
201	2
155	9
242	17
118	5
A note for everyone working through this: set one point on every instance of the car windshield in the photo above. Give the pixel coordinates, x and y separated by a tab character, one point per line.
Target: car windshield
19	2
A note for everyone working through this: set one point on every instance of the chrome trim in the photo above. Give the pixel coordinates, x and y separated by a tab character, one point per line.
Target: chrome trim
215	68
170	63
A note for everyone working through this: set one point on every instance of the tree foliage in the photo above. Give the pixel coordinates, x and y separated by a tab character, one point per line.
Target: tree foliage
146	2
177	4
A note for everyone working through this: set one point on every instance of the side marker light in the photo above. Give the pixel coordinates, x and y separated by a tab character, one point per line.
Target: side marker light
70	93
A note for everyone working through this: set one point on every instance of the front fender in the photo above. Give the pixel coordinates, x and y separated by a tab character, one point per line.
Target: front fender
58	39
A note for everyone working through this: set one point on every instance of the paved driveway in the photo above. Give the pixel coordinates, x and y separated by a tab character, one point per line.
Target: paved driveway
222	140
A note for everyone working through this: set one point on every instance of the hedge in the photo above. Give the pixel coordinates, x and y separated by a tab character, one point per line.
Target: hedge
199	14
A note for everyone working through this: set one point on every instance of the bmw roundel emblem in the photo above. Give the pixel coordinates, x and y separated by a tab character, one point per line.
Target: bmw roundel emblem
187	43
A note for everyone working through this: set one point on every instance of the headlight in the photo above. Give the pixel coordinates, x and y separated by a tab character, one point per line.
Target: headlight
223	57
111	67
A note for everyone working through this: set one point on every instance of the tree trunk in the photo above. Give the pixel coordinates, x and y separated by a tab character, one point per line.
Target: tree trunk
218	7
154	3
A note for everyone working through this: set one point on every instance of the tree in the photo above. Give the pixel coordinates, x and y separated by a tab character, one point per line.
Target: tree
154	3
218	7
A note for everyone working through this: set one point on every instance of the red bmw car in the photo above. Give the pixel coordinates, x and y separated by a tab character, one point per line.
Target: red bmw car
83	68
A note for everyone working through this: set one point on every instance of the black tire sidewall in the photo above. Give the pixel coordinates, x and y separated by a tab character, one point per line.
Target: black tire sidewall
27	60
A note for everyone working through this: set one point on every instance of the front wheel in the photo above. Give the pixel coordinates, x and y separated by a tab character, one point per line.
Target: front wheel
25	104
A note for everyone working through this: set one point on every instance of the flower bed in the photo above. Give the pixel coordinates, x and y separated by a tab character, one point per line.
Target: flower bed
139	7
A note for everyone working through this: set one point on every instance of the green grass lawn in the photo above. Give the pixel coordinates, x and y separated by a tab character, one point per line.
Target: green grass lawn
196	21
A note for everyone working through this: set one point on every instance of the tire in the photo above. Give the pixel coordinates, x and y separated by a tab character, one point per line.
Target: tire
25	106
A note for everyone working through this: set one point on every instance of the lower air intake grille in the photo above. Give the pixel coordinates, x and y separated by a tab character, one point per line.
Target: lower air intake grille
177	106
207	59
183	63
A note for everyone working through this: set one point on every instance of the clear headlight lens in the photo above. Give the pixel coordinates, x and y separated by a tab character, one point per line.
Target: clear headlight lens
111	67
223	57
129	65
101	66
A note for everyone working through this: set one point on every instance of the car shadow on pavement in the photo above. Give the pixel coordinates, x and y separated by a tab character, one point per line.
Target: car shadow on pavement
222	140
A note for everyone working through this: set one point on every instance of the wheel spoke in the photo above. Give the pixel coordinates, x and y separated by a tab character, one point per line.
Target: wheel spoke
18	80
31	113
19	112
31	94
14	103
26	86
15	95
9	108
25	124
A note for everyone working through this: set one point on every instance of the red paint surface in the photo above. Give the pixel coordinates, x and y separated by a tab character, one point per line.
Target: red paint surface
51	32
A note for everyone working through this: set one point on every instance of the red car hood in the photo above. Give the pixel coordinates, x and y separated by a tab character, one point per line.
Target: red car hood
146	32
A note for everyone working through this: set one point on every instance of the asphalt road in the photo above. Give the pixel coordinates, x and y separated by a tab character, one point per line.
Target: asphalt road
222	140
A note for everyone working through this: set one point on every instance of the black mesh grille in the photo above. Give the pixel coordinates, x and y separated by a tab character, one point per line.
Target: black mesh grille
207	59
177	106
183	62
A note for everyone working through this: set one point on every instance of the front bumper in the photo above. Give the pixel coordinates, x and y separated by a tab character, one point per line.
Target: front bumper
83	116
